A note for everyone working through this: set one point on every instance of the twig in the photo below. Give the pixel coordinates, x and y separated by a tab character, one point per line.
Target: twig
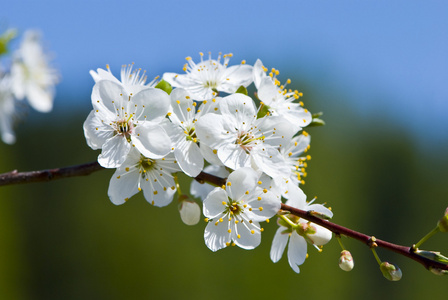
15	177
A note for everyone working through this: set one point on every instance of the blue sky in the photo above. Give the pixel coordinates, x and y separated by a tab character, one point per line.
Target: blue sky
389	59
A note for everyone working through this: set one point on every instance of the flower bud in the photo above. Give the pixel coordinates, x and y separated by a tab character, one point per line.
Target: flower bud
189	210
390	271
438	271
443	222
346	262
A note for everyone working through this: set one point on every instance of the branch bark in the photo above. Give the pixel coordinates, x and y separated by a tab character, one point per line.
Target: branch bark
15	177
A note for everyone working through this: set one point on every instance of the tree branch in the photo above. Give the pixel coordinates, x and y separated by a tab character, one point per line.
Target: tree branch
15	177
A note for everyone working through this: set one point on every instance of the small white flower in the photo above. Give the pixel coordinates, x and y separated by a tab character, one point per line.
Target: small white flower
234	213
302	232
242	140
120	121
7	110
31	75
153	176
183	133
203	78
130	79
279	102
292	152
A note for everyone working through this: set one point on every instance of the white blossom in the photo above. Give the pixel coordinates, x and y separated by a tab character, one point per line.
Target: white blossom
302	232
208	76
130	79
234	213
292	152
242	140
183	133
32	77
153	176
7	110
279	102
120	121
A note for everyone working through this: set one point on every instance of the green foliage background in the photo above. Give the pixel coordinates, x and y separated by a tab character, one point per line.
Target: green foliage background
66	240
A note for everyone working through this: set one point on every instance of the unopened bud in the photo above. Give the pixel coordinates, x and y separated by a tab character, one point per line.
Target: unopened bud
390	271
443	222
190	212
346	262
438	271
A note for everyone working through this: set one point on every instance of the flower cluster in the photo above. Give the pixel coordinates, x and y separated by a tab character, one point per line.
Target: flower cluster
208	124
30	76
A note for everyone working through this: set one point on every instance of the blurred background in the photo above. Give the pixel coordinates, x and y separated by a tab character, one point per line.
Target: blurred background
379	72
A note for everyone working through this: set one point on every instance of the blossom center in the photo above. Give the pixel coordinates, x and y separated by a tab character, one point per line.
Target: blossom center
124	127
245	140
146	164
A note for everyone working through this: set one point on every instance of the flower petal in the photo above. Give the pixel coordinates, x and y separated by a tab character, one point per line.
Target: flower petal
154	104
114	152
241	181
123	185
296	251
278	244
96	132
213	205
216	236
249	235
151	140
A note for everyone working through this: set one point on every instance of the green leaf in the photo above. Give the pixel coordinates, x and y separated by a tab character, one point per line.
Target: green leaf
164	86
316	122
5	38
242	90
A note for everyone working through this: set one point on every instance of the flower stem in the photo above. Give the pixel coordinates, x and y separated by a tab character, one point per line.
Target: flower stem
427	237
376	256
338	237
287	220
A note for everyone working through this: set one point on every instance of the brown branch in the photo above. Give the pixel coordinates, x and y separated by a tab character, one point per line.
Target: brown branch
340	230
16	177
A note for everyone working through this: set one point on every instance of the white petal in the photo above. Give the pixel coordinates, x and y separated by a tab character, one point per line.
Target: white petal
108	95
322	235
269	203
151	140
182	104
250	236
189	158
216	236
123	185
296	251
234	77
269	160
233	156
240	181
211	130
114	152
213	205
40	98
209	155
154	104
279	244
297	197
240	106
96	132
159	193
258	73
320	209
